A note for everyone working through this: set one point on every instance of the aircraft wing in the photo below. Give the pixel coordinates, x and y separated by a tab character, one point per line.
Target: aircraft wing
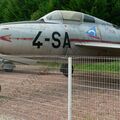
100	45
18	59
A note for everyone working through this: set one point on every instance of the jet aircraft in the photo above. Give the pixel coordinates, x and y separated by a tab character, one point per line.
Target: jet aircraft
60	32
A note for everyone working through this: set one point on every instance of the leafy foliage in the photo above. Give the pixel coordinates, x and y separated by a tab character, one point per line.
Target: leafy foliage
17	10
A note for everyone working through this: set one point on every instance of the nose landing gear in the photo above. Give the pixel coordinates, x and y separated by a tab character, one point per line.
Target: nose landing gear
64	69
7	66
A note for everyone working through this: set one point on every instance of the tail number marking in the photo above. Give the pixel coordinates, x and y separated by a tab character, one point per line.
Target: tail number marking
56	43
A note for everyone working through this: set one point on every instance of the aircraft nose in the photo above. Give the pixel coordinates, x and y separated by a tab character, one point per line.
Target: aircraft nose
4	33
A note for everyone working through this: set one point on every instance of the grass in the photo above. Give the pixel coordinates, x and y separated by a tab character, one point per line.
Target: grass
88	116
50	64
93	67
99	67
4	97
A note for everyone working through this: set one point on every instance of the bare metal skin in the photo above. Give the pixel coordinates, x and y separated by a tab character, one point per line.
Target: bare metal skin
60	33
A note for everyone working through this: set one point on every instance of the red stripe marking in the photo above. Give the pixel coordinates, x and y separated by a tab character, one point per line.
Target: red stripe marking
6	38
23	38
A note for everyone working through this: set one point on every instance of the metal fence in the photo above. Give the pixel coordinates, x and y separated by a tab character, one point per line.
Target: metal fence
34	92
96	88
40	92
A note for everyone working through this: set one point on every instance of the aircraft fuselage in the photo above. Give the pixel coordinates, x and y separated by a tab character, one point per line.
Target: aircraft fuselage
40	38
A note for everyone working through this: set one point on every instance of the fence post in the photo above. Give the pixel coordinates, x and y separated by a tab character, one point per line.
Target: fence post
69	88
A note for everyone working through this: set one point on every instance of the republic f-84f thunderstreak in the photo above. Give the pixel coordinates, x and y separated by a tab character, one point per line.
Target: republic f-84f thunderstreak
59	33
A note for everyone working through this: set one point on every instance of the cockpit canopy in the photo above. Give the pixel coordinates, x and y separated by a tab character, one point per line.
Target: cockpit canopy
71	17
65	15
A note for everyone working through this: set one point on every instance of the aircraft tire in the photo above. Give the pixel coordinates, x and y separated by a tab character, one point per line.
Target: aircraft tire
64	69
8	70
8	66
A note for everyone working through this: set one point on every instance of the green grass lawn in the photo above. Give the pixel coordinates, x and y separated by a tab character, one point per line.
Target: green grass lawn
93	67
99	67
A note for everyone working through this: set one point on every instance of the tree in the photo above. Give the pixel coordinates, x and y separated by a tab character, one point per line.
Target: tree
99	9
42	10
17	10
115	13
11	13
2	6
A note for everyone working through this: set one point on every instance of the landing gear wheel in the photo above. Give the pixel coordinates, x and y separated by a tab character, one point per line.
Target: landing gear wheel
8	66
8	70
64	69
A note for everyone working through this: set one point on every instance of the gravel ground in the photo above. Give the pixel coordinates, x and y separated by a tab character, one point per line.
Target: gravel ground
31	96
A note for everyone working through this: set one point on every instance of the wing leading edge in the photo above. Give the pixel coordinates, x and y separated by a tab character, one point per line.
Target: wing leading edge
99	45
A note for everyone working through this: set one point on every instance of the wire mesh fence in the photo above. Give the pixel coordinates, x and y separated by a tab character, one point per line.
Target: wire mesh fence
96	88
40	92
36	92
